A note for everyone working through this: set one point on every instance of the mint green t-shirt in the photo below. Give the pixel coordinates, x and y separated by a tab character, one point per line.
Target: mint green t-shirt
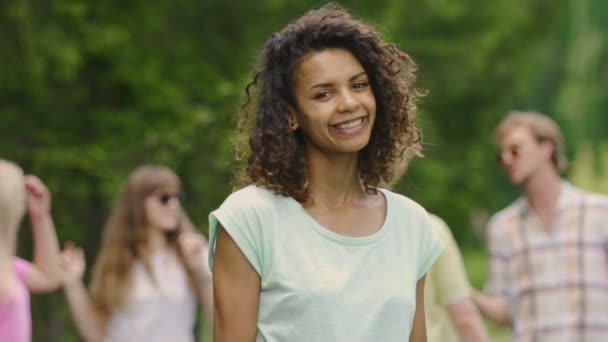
317	285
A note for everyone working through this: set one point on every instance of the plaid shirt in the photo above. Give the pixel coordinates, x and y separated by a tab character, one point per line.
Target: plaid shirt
555	282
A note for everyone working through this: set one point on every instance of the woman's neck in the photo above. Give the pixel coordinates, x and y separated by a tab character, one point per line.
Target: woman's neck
334	181
157	240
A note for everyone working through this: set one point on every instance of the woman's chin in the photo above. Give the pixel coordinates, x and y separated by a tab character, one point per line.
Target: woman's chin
168	227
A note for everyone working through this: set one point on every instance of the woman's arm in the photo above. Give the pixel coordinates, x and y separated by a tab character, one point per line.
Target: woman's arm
237	293
467	321
205	294
419	327
493	308
44	274
195	249
91	325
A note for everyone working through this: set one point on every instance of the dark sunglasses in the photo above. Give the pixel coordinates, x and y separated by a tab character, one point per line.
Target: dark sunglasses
164	198
513	151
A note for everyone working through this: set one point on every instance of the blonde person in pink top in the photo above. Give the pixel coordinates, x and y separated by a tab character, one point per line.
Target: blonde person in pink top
18	277
151	269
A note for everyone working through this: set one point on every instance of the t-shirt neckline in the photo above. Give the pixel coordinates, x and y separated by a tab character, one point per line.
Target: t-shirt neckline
343	239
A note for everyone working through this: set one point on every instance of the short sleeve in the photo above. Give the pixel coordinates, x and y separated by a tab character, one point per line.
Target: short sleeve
244	217
451	278
430	247
21	267
499	281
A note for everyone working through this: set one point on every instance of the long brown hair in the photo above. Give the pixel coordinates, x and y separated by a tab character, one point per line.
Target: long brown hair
126	235
273	155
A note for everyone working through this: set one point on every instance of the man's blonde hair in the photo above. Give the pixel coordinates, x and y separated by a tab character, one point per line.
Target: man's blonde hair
544	129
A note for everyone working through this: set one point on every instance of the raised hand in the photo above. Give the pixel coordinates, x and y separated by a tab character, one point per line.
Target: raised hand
195	248
39	198
72	264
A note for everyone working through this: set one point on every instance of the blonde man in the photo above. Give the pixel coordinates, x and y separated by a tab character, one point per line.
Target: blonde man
451	315
548	277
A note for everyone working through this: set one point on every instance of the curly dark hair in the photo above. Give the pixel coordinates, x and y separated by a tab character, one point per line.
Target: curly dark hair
275	155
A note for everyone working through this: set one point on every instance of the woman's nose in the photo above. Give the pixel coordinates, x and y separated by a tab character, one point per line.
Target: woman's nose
348	102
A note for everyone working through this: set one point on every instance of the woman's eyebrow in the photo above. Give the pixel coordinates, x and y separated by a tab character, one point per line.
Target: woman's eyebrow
358	75
329	84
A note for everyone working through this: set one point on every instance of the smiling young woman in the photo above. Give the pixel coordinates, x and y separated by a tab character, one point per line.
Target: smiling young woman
309	248
336	108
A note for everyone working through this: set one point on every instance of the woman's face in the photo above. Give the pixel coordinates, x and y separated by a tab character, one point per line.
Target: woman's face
163	210
336	105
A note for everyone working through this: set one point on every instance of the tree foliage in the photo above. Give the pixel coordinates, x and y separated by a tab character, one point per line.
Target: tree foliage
91	89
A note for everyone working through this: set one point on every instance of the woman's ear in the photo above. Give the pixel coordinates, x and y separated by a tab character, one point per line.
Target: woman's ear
293	120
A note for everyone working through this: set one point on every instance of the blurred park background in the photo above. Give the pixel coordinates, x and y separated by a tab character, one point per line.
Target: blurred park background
91	89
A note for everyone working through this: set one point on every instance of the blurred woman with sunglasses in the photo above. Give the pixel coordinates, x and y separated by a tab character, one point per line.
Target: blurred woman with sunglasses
151	267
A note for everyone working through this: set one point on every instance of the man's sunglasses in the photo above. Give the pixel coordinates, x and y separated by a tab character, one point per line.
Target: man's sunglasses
513	151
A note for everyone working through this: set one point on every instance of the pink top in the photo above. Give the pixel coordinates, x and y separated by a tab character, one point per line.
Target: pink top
15	319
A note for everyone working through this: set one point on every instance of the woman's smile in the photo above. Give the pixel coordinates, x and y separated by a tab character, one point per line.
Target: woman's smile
350	126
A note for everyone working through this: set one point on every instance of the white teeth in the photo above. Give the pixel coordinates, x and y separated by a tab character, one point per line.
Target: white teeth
350	124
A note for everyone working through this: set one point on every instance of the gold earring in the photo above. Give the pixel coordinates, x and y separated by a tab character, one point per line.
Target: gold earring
293	125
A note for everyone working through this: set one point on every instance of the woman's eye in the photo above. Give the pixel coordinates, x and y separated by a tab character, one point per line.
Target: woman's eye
323	95
359	85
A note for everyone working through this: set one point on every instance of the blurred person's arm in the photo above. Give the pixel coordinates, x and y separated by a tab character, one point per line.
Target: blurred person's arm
236	286
493	303
493	308
418	333
467	321
44	275
453	288
206	297
91	325
196	253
